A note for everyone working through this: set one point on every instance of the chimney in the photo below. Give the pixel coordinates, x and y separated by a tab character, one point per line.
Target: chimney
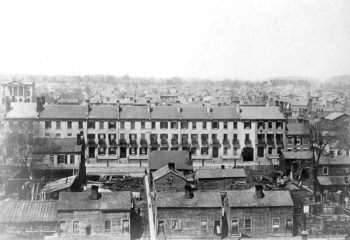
43	100
8	104
179	109
82	167
39	104
171	166
222	166
188	191
209	109
94	192
259	191
223	196
78	139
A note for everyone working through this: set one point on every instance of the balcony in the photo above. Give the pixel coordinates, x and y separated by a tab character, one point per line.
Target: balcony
102	142
205	143
174	143
184	143
164	143
133	143
195	143
123	143
261	141
154	143
143	142
235	142
91	142
279	142
215	143
270	141
226	142
112	142
247	142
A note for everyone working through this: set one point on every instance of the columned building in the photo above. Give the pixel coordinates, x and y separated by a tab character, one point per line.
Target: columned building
17	91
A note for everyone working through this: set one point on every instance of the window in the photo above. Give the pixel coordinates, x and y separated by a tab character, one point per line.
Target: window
69	134
107	226
275	223
161	227
325	170
80	123
47	124
289	225
62	228
112	151
279	125
225	137
125	226
69	124
52	157
247	137
217	228
235	151
133	151
235	137
204	125
225	125
204	151
175	225
101	151
234	226
122	125
132	125
58	135
153	125
47	134
91	124
101	125
112	125
247	125
194	125
261	125
75	226
269	124
204	225
247	223
225	150
215	125
234	125
290	140
173	125
71	159
184	125
269	150
163	125
143	125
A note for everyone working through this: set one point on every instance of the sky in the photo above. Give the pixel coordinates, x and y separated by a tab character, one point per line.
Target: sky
250	39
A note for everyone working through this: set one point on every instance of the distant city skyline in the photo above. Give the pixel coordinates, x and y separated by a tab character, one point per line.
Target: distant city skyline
250	39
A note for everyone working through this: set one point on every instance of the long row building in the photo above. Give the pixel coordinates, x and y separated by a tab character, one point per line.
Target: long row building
128	133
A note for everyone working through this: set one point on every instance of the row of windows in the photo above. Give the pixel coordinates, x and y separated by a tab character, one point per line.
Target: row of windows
163	125
107	226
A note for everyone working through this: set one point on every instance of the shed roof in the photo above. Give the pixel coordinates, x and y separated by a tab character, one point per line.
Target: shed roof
335	160
300	155
205	173
158	159
60	184
164	171
28	211
335	115
134	112
332	180
224	113
207	199
297	129
64	112
22	110
81	201
263	113
104	112
189	113
247	198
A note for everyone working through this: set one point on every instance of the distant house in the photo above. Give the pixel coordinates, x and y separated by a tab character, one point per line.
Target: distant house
298	137
296	164
168	179
68	101
28	218
93	215
188	215
181	159
256	213
219	179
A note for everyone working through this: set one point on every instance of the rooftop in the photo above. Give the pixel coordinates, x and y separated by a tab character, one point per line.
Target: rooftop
64	112
247	198
195	113
22	110
164	171
165	112
220	173
134	112
297	129
335	115
335	160
56	145
28	211
263	113
225	112
60	184
207	199
300	155
332	180
158	159
109	201
104	112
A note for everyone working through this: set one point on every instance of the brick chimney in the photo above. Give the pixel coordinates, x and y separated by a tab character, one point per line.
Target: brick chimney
188	191
94	192
171	166
40	101
259	191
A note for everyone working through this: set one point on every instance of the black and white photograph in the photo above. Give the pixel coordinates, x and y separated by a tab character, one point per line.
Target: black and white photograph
174	119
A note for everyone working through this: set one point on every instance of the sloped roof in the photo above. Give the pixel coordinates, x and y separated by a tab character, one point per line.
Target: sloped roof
224	113
332	180
56	145
134	112
297	129
109	201
207	199
104	112
300	155
261	113
205	173
335	115
164	171
22	110
247	198
60	184
189	113
158	159
336	160
165	112
28	211
64	112
68	100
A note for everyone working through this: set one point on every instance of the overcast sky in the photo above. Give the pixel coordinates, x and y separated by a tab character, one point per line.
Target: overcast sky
185	38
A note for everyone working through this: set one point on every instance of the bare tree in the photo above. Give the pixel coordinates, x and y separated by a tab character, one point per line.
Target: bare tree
322	136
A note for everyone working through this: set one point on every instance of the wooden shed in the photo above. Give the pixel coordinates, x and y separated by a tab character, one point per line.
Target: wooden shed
168	179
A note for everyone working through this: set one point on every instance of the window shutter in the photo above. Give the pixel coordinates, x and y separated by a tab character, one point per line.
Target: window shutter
65	159
180	225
